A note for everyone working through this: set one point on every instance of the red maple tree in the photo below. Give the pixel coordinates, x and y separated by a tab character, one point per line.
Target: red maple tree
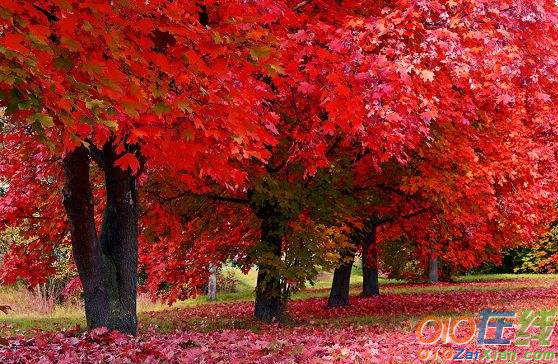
252	104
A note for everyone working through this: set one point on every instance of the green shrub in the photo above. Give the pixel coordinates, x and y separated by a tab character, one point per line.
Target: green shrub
227	282
542	256
398	261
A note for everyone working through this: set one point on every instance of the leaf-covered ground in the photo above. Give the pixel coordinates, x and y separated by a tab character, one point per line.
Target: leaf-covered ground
371	330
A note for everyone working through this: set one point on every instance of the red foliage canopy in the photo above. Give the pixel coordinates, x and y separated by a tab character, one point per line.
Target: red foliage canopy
220	95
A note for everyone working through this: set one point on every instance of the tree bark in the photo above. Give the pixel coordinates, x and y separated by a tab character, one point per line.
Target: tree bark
370	284
107	266
212	283
119	243
339	293
269	304
78	202
433	267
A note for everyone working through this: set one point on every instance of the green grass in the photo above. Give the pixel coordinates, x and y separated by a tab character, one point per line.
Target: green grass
493	277
26	318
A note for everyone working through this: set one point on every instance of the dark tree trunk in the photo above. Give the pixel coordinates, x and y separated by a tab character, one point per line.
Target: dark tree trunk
339	294
78	202
107	266
370	284
269	287
119	243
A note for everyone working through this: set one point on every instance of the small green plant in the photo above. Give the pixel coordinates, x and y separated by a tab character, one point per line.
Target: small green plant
398	260
227	282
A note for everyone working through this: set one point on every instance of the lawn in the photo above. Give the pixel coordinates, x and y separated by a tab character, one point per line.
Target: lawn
371	330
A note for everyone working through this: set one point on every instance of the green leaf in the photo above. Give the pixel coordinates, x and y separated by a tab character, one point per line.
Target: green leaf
157	92
5	14
184	106
87	26
87	120
259	52
160	109
113	124
92	68
45	120
111	84
94	104
39	129
187	135
217	38
274	68
63	63
72	44
130	109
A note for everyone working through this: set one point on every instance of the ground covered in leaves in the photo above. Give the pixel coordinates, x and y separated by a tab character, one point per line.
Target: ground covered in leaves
371	330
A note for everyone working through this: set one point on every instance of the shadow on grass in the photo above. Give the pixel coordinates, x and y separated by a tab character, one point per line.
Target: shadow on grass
401	304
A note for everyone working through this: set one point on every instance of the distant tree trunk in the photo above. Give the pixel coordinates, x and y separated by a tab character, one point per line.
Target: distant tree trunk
269	304
433	267
444	271
212	283
107	266
370	284
339	294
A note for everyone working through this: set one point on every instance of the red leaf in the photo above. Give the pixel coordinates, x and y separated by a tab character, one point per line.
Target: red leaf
13	43
306	88
130	161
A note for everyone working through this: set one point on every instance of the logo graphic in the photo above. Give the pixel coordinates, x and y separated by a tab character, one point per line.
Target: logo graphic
533	326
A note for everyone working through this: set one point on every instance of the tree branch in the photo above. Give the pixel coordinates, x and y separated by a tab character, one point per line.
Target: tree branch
96	154
50	16
301	4
211	196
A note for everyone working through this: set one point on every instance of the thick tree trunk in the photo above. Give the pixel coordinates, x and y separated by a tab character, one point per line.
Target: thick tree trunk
107	266
212	283
339	294
269	287
119	243
370	284
78	202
